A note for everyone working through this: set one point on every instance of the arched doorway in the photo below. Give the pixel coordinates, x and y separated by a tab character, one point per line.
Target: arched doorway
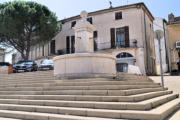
123	60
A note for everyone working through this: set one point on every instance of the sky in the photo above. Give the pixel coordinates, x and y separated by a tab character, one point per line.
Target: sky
69	8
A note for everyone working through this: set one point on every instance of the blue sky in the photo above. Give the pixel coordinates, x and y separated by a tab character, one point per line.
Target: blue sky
68	8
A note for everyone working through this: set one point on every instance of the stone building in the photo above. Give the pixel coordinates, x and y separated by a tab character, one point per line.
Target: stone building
161	24
2	54
125	32
174	41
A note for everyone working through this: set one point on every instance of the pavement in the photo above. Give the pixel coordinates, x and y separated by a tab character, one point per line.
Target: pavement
173	83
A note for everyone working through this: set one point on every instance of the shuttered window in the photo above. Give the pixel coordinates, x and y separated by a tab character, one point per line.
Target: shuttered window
112	32
67	44
72	44
53	47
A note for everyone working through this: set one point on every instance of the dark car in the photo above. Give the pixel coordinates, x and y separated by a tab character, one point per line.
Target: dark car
2	64
46	65
25	66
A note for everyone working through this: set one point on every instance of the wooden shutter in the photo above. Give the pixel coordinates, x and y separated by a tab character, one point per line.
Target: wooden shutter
72	44
67	44
53	47
126	36
112	37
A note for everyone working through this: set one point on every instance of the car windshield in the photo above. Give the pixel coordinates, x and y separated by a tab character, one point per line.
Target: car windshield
21	62
47	62
28	63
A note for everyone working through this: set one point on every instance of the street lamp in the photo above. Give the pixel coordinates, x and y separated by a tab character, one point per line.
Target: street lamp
159	35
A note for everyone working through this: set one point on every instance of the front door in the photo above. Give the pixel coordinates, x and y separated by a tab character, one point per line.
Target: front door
122	67
120	38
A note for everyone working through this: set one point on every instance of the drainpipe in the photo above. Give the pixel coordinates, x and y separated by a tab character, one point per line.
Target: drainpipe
169	50
146	60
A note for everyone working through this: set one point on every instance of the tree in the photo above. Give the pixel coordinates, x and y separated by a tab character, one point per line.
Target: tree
24	24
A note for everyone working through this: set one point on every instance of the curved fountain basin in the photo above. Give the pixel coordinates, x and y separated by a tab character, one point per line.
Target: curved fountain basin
84	65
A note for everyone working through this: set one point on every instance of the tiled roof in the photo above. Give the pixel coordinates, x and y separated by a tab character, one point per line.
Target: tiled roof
113	9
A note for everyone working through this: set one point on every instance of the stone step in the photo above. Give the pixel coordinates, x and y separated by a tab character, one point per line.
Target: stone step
158	113
144	105
49	80
95	87
132	98
8	119
84	92
45	116
60	83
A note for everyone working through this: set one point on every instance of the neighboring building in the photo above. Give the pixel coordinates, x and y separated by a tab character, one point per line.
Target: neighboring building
174	41
161	24
125	32
38	52
2	54
16	57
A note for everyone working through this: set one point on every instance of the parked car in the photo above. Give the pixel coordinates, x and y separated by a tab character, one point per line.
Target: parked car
4	64
25	66
46	65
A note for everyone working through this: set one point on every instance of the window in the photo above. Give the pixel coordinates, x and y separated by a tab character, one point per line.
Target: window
95	34
90	20
53	47
67	44
122	37
70	44
118	15
73	24
124	55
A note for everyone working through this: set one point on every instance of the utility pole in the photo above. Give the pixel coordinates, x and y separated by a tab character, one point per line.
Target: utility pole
158	35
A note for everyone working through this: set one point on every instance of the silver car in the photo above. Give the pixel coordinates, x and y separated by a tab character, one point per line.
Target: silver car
46	65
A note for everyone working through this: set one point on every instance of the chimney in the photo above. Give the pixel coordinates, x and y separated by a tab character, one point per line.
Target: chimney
171	18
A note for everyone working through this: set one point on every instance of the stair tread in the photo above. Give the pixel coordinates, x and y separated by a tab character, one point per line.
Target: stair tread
157	113
1	118
54	104
51	116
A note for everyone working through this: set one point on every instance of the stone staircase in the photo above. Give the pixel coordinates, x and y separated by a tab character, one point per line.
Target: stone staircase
40	96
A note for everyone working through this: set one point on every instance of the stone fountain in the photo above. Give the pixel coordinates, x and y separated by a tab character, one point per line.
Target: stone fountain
84	63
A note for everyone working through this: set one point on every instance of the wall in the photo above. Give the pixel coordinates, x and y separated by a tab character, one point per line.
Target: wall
103	23
174	36
134	18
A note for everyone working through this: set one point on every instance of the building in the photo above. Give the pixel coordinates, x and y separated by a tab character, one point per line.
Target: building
174	41
125	32
2	54
161	24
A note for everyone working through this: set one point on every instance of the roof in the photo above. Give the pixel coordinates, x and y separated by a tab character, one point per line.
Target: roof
177	19
142	5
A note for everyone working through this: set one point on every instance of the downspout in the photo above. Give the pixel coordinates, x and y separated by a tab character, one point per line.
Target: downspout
169	50
165	43
145	35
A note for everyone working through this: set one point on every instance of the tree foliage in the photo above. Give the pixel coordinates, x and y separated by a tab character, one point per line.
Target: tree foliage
24	24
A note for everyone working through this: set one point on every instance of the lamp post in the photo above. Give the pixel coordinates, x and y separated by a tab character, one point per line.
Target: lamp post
159	35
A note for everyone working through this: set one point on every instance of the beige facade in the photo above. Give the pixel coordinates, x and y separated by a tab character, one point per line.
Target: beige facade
136	21
2	55
174	36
